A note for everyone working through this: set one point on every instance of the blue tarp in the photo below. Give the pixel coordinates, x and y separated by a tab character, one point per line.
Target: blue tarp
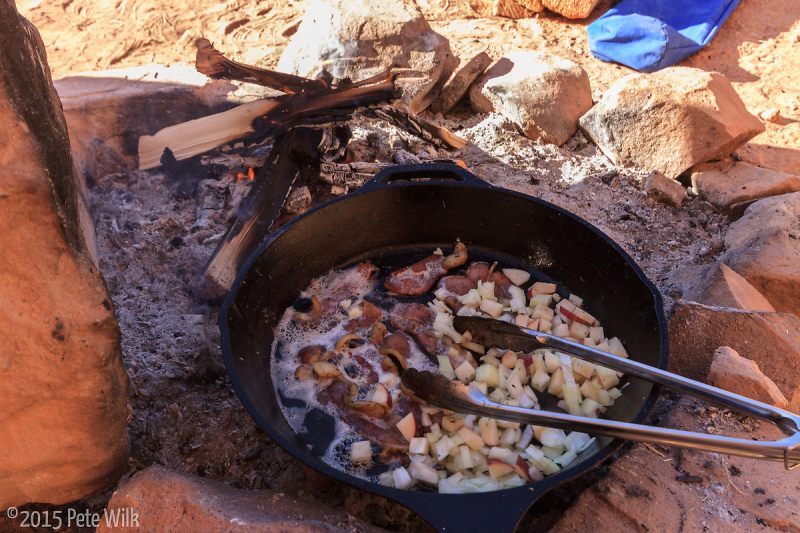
649	35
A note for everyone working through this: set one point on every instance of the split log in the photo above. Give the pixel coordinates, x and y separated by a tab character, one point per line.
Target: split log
290	154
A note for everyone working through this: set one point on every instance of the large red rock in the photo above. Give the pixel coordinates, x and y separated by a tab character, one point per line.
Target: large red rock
63	389
361	39
731	188
571	9
663	489
732	372
719	285
670	120
165	500
772	340
764	247
542	93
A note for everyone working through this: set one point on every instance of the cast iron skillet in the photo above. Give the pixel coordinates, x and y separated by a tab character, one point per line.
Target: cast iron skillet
397	217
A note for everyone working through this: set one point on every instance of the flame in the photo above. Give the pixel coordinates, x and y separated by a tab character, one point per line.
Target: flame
249	176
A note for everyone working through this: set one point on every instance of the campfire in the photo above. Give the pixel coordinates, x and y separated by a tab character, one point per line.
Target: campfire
380	258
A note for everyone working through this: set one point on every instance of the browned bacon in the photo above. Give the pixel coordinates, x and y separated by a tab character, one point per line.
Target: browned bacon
419	278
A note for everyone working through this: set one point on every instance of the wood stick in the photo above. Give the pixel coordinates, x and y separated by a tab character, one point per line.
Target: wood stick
203	134
212	63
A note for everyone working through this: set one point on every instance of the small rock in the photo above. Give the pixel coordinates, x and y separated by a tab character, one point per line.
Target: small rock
541	93
515	9
571	9
734	373
770	115
664	189
719	285
731	188
764	247
772	340
164	500
670	120
457	87
361	39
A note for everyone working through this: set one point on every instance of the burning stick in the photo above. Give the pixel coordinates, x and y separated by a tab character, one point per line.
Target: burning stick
303	121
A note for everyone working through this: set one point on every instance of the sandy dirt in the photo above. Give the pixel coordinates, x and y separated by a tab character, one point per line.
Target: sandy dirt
155	233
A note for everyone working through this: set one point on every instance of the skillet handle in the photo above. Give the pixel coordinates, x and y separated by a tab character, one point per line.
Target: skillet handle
438	172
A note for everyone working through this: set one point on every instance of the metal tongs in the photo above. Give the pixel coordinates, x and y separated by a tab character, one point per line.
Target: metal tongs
455	396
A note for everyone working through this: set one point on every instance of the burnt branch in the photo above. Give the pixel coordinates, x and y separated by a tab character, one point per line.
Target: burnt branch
212	63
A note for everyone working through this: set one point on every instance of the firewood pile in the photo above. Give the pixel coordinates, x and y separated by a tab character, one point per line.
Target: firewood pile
306	127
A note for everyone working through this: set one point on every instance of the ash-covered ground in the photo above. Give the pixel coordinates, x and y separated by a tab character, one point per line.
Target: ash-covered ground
155	233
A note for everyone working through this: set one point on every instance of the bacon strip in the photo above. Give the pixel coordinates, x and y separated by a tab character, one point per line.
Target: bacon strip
419	278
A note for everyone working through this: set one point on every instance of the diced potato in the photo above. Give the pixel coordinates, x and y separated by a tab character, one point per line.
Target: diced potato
487	374
617	348
575	299
424	473
445	367
491	308
465	372
561	330
419	445
509	359
590	408
361	452
471	299
556	383
488	429
596	334
542	311
607	377
443	447
471	439
401	478
517	277
452	423
541	287
486	290
578	331
552	361
541	299
517	301
584	368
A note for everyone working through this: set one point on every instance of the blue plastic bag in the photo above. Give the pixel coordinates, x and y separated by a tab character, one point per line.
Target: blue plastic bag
649	35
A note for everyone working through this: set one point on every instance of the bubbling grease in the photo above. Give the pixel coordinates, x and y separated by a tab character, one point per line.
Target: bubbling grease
293	335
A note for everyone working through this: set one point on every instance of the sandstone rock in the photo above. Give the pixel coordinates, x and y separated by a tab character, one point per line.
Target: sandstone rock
664	189
731	188
659	488
457	87
477	99
361	39
734	373
670	120
164	500
572	9
542	93
772	340
764	247
63	389
514	9
719	285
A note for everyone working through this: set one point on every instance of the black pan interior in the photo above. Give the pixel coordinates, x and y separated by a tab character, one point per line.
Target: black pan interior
410	219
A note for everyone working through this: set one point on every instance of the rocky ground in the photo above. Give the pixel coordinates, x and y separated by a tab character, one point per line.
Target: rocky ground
155	231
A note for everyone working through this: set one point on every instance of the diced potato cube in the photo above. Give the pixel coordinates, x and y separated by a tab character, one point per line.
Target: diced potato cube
488	429
471	439
541	311
361	452
491	308
487	374
465	372
419	445
517	277
541	287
